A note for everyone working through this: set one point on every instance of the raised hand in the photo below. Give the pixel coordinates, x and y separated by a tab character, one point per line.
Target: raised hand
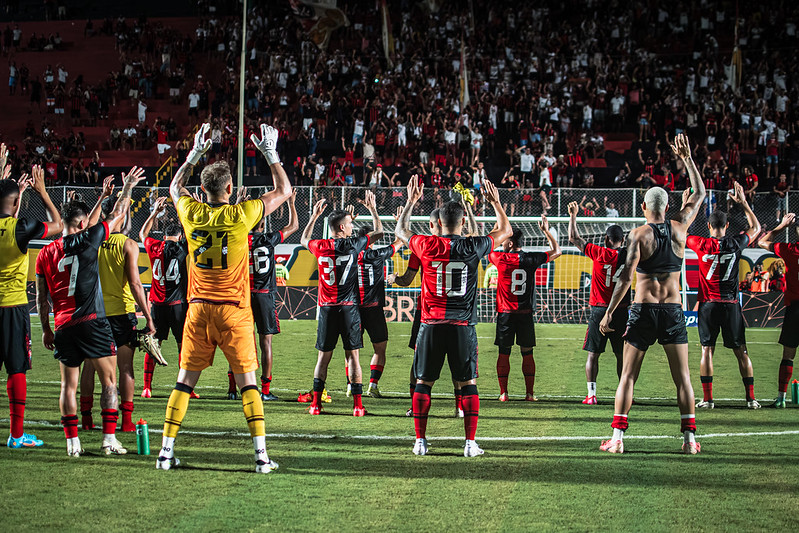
369	200
38	179
319	208
24	182
681	147
6	172
133	177
267	144
3	155
738	196
241	195
197	197
573	209
351	210
415	189
489	191
160	204
201	144
787	220
398	214
108	187
544	223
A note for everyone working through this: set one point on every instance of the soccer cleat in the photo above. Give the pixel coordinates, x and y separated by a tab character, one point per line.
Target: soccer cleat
269	397
194	395
314	410
503	397
590	400
373	391
146	393
113	447
471	449
74	449
306	397
705	404
232	395
409	412
420	447
754	404
691	448
349	390
326	398
530	398
458	413
148	344
779	403
612	446
359	411
265	467
165	463
25	441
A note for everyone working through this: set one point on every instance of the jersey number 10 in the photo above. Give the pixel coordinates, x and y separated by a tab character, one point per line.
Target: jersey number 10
445	278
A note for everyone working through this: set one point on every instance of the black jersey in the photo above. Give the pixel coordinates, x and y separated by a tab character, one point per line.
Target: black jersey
718	266
372	275
338	269
663	259
168	263
262	260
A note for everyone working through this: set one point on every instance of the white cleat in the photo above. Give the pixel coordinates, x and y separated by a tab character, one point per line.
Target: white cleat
754	404
458	413
471	449
74	449
265	467
705	405
420	447
113	447
165	463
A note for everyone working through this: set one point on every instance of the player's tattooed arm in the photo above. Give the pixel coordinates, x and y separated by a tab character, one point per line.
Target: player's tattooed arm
201	145
554	247
122	207
54	224
160	207
471	221
574	235
625	280
131	252
377	224
267	145
107	191
767	242
307	233
23	183
403	230
294	222
739	197
502	231
43	308
682	149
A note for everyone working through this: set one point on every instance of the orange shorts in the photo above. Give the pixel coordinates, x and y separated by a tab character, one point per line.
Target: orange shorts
226	326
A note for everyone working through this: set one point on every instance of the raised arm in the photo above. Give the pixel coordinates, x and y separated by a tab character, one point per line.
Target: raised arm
122	207
43	308
751	219
682	149
377	224
201	145
267	145
554	247
54	224
294	222
307	233
502	231
108	190
403	229
23	183
624	282
160	207
574	235
471	221
131	252
767	242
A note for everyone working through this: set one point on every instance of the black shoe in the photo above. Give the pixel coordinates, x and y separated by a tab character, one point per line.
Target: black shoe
232	395
269	397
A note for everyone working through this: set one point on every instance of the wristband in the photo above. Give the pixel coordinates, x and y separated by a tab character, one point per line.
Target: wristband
194	157
271	157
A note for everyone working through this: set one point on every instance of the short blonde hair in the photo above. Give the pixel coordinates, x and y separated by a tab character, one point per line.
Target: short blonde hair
656	199
215	177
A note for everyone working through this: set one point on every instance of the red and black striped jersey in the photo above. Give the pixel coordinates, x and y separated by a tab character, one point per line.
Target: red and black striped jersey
718	266
516	279
790	254
415	264
69	267
262	260
338	269
449	276
168	265
608	264
372	275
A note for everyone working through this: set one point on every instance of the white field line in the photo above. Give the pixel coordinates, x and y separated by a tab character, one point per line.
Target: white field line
322	436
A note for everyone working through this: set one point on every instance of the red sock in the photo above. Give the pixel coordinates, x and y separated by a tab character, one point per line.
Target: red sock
749	386
86	403
458	399
347	372
17	388
317	399
707	387
421	408
110	417
619	422
375	373
688	423
528	369
503	369
149	367
471	410
265	384
786	371
231	382
127	417
70	423
357	392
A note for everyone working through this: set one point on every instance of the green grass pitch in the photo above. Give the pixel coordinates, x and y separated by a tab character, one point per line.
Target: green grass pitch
342	473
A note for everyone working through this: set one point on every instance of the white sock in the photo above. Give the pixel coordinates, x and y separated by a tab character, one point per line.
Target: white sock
688	436
780	396
259	443
618	434
109	437
167	447
592	388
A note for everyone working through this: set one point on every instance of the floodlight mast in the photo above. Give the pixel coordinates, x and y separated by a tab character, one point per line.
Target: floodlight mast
242	140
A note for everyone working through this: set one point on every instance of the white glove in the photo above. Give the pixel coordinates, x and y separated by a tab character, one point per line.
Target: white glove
201	145
267	144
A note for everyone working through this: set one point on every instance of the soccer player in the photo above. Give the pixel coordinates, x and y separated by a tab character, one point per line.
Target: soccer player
607	263
516	304
789	338
15	335
168	288
219	311
338	296
719	307
449	313
654	251
67	272
263	285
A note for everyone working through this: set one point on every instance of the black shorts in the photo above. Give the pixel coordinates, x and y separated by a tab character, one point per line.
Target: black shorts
664	323
790	326
594	341
515	328
335	321
123	328
437	341
169	317
264	312
15	338
87	340
373	321
417	321
725	316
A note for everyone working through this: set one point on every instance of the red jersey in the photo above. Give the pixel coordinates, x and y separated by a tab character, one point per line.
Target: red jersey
168	265
718	266
449	276
338	269
790	254
516	279
608	263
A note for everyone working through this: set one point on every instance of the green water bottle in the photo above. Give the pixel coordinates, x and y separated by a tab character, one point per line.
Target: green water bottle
142	438
795	391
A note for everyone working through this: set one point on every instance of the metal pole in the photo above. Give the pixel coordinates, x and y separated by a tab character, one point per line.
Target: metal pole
635	198
240	165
